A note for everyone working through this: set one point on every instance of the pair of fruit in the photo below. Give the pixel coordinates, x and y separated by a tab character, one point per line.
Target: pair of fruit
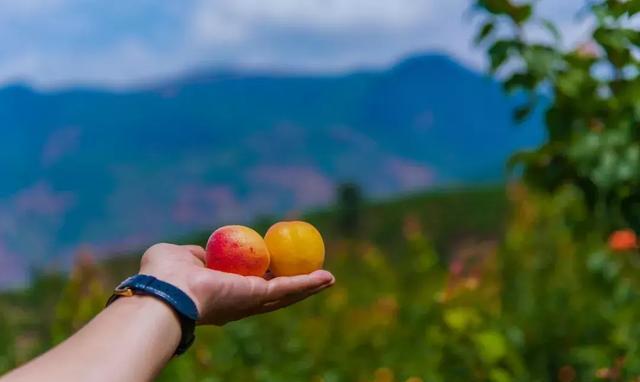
288	249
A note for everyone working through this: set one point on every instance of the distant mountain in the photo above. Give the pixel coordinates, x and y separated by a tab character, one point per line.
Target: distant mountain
118	168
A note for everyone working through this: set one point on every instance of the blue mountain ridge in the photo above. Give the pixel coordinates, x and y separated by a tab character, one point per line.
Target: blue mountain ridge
115	168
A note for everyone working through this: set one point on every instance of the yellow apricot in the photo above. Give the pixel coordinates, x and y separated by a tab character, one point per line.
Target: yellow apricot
296	248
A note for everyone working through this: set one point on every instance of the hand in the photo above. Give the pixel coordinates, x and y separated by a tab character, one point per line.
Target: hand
223	297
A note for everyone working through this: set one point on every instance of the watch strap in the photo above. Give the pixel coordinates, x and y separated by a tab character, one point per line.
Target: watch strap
179	301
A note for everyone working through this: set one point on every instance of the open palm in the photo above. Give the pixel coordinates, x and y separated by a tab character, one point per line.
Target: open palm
223	297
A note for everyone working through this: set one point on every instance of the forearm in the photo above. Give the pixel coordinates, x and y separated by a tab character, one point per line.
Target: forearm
134	338
130	341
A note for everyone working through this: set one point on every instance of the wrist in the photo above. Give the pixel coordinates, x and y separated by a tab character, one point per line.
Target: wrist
169	294
150	306
177	279
158	318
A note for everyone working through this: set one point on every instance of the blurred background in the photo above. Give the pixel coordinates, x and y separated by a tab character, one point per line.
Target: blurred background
474	167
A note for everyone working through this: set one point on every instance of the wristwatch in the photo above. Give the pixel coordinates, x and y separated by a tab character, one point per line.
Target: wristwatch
182	304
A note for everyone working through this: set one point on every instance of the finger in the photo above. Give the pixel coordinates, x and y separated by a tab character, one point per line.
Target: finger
197	251
290	300
281	287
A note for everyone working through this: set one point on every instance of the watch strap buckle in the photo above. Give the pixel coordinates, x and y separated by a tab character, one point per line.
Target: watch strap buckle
123	291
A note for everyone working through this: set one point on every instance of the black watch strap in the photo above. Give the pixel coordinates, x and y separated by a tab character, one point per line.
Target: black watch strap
171	295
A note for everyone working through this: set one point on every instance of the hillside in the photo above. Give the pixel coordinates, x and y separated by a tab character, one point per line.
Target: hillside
450	219
447	217
116	169
367	269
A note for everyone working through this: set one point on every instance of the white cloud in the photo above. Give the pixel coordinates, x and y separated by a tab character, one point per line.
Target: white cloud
327	15
58	42
325	35
128	61
281	32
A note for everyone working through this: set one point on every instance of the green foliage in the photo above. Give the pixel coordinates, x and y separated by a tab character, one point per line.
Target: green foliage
594	112
571	300
395	295
518	13
541	305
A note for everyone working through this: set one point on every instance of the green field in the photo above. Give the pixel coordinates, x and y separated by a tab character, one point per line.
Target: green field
459	285
53	306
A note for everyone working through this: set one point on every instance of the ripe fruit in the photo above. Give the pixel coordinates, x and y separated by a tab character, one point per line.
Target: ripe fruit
237	249
623	240
296	248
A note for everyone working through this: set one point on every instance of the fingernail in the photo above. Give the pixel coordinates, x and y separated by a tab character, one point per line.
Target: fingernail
324	276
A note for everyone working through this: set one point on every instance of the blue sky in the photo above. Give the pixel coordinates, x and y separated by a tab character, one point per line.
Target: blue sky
52	43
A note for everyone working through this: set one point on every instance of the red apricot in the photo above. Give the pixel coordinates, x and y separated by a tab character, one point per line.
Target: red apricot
237	249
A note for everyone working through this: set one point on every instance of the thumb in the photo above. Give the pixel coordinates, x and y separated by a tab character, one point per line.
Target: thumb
281	287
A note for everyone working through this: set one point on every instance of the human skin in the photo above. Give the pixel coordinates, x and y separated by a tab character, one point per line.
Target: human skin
135	337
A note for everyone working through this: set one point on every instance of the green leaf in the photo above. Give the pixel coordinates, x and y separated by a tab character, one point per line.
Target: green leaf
520	80
622	8
543	60
499	375
616	44
518	13
494	6
569	83
616	8
461	319
522	112
500	51
491	346
522	13
485	31
633	36
633	7
552	29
